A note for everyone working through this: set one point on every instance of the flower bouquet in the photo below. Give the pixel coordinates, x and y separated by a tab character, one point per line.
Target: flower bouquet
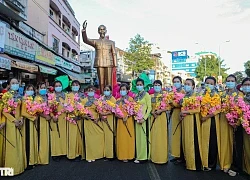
245	121
33	108
191	103
73	108
102	107
9	103
53	105
53	108
245	118
43	105
160	105
210	104
82	111
231	106
134	109
114	108
70	109
105	107
177	97
225	104
234	113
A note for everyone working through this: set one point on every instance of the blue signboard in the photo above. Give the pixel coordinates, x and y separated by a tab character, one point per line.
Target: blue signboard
179	54
184	65
151	75
179	60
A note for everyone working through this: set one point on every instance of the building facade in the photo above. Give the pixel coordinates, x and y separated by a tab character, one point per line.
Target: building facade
40	40
160	70
123	75
87	59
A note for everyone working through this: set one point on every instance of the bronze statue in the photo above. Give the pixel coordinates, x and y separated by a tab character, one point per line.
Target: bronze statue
105	55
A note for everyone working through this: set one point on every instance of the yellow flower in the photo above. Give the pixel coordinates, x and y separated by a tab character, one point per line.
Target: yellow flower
209	102
110	103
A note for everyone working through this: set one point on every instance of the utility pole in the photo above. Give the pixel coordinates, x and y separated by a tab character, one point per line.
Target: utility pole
219	58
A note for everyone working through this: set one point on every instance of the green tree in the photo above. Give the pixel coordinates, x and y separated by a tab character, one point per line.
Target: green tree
247	68
239	76
212	68
138	56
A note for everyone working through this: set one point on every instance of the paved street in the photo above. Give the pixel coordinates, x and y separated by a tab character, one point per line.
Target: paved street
107	170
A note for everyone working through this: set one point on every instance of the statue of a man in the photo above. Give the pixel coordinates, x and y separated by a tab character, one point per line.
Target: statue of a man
105	55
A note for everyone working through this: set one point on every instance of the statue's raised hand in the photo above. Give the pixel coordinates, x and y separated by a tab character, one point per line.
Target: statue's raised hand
84	25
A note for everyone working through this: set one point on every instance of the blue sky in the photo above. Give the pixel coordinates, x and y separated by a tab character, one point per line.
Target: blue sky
174	24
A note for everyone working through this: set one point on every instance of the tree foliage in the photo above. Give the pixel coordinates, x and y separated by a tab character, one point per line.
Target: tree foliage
239	76
138	55
212	68
247	68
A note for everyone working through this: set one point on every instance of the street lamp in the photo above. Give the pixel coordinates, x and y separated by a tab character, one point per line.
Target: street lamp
219	54
205	58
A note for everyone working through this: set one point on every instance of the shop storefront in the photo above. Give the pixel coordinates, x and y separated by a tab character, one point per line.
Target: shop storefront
31	62
48	74
75	76
25	72
5	67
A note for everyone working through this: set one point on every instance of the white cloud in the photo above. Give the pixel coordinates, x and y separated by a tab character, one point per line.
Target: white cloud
174	24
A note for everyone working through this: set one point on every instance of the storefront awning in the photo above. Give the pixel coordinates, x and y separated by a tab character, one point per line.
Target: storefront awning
24	65
75	76
47	70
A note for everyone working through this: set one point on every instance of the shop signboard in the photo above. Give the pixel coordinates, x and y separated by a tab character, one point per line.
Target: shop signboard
18	45
23	65
2	36
31	31
59	61
76	68
76	62
5	63
47	70
67	65
44	56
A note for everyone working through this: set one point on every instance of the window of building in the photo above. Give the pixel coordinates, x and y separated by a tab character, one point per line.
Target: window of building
51	13
63	51
55	44
67	53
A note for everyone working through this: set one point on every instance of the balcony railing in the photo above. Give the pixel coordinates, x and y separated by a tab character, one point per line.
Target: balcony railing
15	4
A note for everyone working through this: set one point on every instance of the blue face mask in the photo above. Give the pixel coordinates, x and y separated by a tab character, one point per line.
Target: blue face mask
157	88
211	87
91	94
177	85
14	87
42	92
123	93
246	89
58	89
107	93
230	85
29	93
188	88
139	88
75	88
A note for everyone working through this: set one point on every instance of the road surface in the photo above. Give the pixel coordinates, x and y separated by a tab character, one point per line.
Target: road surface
109	170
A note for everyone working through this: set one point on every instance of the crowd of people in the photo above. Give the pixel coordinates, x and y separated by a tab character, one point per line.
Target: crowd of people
202	134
